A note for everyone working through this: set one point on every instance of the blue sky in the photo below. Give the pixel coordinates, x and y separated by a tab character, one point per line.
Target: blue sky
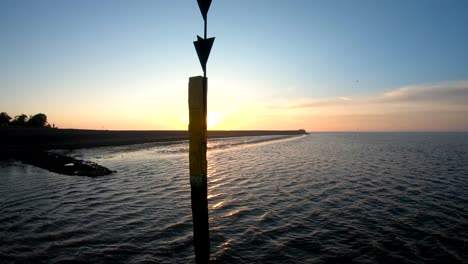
125	64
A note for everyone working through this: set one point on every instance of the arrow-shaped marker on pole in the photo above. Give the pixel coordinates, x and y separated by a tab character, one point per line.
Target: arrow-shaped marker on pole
204	6
203	47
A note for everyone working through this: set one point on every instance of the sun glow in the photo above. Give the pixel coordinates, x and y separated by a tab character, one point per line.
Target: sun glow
214	120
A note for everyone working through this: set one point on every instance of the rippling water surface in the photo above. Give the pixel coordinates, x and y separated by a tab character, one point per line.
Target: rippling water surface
320	198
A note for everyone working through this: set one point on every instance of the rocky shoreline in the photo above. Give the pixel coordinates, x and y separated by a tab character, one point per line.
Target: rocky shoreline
62	164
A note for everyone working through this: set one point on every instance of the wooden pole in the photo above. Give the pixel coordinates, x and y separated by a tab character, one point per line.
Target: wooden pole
198	166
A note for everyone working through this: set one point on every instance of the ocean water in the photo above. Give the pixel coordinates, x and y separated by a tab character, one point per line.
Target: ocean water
320	198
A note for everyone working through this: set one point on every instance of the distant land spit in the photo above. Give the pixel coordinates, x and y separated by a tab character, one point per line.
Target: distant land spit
31	145
44	138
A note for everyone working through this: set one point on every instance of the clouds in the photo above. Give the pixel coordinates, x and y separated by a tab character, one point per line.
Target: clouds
438	95
448	92
425	107
311	103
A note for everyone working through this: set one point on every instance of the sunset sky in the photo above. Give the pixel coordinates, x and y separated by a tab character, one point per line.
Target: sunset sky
375	65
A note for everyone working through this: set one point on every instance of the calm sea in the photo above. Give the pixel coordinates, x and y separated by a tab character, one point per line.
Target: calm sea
320	198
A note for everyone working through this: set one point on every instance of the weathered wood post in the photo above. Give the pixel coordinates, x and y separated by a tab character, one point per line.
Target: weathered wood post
198	167
198	91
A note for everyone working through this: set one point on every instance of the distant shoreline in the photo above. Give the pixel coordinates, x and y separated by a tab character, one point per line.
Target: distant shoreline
31	145
15	138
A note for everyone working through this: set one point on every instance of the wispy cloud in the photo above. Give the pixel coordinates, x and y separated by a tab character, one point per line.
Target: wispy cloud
425	107
448	94
310	103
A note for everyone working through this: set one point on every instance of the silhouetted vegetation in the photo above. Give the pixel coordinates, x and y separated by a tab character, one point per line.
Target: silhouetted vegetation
37	120
4	119
19	120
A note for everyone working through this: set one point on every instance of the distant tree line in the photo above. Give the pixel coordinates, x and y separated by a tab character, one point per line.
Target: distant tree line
37	120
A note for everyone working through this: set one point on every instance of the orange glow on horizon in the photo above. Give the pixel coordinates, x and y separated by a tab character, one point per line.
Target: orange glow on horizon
215	120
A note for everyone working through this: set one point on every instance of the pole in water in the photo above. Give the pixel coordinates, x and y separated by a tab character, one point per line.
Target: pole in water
198	167
198	105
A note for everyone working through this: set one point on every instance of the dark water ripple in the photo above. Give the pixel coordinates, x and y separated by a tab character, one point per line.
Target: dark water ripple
324	198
